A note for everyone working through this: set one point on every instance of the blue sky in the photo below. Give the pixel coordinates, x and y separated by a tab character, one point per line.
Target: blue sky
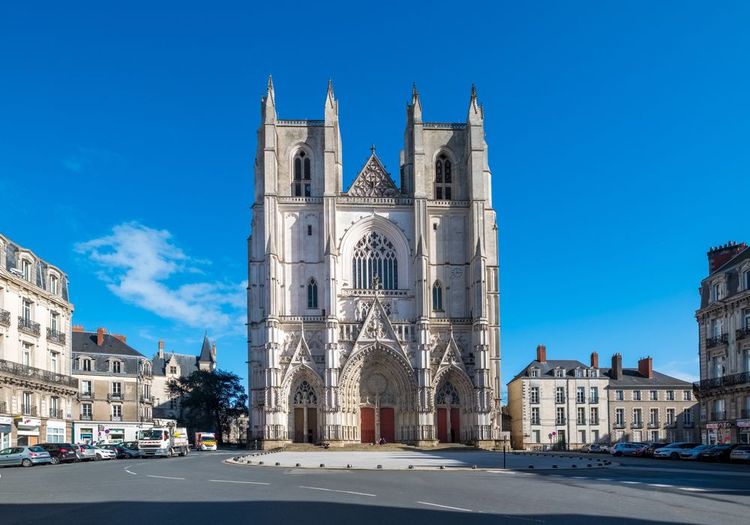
618	138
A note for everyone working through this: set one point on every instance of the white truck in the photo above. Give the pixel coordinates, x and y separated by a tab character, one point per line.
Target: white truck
164	439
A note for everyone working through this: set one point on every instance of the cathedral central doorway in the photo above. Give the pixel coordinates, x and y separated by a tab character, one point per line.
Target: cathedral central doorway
305	414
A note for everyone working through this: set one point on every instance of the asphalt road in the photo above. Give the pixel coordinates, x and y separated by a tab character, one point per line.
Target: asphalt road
203	489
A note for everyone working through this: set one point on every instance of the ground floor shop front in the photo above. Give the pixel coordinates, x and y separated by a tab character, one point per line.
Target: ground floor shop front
107	431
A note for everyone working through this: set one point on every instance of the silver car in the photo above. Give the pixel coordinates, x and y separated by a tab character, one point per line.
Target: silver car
740	454
85	452
24	456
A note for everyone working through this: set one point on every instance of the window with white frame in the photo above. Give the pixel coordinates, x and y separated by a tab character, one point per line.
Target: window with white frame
86	410
560	416
669	417
636	395
715	291
594	415
534	395
560	394
55	434
670	395
620	416
86	387
85	364
533	372
687	395
653	417
594	394
559	372
687	417
619	395
534	415
26	269
116	389
26	354
27	310
53	284
117	411
116	367
581	416
581	394
54	359
637	416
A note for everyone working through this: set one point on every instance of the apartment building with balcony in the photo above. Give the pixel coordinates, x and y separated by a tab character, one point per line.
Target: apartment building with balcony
37	391
724	346
115	397
556	403
646	405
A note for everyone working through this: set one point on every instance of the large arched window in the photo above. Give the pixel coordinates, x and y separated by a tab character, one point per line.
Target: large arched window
312	294
374	264
443	178
437	297
301	175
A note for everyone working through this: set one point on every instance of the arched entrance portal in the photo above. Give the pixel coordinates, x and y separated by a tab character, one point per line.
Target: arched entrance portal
305	402
380	394
447	402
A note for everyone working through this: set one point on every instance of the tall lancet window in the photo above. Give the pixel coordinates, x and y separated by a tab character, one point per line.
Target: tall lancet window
443	178
375	264
437	297
301	168
312	294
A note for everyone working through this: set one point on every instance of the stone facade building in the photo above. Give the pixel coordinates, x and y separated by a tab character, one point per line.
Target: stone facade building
373	310
724	346
558	403
114	397
564	403
37	391
168	366
645	405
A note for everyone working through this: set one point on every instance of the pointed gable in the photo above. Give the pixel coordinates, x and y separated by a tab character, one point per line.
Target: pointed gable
452	355
302	354
377	326
373	180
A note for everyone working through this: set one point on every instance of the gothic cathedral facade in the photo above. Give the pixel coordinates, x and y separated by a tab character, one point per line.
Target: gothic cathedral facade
373	311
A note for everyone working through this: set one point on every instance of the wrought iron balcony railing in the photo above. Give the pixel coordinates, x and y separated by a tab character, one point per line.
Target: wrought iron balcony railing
717	340
28	410
4	317
28	326
115	418
29	372
55	413
653	424
636	424
742	333
54	336
85	417
707	385
86	396
147	399
115	396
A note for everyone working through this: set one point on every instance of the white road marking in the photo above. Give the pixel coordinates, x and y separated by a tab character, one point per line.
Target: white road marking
603	479
660	485
692	489
163	477
444	506
577	477
340	491
244	482
632	482
133	473
502	471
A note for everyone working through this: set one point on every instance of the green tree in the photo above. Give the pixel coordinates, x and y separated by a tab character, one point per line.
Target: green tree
210	400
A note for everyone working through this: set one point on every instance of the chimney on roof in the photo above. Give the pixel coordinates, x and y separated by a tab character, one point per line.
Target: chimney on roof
594	360
120	337
78	328
616	372
100	333
541	353
646	367
720	255
161	349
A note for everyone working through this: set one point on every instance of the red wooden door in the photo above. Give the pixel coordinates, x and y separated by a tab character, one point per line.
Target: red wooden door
442	425
367	425
387	424
455	425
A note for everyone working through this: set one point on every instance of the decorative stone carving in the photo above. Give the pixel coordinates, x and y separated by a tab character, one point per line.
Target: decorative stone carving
373	181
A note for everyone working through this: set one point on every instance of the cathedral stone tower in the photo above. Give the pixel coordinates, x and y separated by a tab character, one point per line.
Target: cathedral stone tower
373	313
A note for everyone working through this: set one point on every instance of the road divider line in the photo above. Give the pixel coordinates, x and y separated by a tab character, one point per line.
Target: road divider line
444	506
632	482
163	477
659	485
339	491
132	473
692	489
243	482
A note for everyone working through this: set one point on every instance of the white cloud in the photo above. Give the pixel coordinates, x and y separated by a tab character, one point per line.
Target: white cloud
140	265
686	370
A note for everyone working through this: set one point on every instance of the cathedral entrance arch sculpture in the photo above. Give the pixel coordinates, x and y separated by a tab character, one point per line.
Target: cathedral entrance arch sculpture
304	400
378	395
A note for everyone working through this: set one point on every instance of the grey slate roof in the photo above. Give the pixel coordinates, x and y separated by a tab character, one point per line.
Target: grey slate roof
631	377
85	343
744	254
187	363
547	367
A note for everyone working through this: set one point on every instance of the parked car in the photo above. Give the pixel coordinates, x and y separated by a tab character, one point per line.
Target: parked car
672	451
693	453
104	453
122	451
131	449
60	452
650	447
595	448
740	453
717	453
24	456
85	452
628	449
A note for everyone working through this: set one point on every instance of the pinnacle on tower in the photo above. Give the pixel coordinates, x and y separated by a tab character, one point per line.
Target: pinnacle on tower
475	109
330	97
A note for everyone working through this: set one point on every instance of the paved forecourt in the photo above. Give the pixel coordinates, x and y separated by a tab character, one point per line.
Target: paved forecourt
420	459
203	488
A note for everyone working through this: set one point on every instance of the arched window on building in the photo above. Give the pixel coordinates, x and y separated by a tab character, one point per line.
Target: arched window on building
443	178
375	264
437	297
301	175
312	294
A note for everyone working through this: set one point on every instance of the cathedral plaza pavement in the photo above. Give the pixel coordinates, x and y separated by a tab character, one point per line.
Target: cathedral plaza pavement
421	459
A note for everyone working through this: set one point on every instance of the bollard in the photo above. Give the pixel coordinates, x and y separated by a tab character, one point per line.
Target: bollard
554	466
380	466
411	467
260	462
531	466
322	465
474	467
277	464
297	465
348	465
442	467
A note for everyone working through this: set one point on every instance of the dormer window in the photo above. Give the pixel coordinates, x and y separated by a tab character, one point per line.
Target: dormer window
26	269
715	292
559	372
85	364
534	372
53	284
302	175
116	367
579	372
443	177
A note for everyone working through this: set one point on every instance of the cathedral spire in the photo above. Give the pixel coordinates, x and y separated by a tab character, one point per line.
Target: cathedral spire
269	102
416	104
330	97
475	109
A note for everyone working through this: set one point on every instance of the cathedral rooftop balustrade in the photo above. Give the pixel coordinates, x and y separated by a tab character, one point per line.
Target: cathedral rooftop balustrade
366	292
300	122
448	204
300	200
303	318
391	201
451	320
444	125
